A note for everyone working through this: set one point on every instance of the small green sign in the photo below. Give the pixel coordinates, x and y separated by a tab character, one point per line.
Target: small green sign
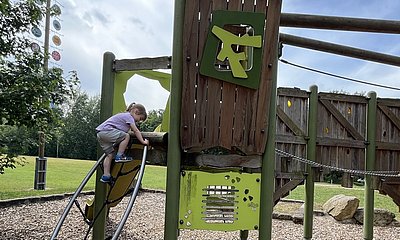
233	50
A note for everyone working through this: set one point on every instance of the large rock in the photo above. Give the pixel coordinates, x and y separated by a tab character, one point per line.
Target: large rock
382	217
341	207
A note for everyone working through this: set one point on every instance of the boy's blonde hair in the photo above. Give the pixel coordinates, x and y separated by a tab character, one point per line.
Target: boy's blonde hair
141	110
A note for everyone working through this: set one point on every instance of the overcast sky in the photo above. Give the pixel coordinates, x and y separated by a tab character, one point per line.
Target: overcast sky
143	28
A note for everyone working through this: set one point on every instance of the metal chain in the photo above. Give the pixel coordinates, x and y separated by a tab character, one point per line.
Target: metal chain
351	171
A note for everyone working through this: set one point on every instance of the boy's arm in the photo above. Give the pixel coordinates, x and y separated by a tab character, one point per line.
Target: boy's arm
138	135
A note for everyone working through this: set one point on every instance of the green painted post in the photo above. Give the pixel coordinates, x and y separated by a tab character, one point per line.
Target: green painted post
174	149
268	160
106	110
311	155
369	166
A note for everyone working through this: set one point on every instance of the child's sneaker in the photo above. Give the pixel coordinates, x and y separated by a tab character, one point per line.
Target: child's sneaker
105	179
122	158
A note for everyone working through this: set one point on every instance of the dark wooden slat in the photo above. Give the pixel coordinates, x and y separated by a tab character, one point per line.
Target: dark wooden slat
190	73
343	97
387	146
342	120
392	117
290	139
201	106
333	142
292	92
285	189
269	58
339	23
289	122
142	64
232	160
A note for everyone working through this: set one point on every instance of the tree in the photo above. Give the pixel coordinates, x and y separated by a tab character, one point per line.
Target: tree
78	136
28	92
154	118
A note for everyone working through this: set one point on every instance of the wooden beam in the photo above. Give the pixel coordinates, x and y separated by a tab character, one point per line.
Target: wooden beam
339	23
142	64
339	49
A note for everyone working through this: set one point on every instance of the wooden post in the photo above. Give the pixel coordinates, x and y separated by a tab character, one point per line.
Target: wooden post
40	165
268	162
174	149
106	110
369	166
311	155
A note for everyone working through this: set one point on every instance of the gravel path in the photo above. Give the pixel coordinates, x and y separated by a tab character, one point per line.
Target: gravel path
37	221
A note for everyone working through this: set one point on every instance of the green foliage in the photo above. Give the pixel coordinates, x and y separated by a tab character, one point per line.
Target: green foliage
13	140
28	91
17	17
78	137
333	177
154	119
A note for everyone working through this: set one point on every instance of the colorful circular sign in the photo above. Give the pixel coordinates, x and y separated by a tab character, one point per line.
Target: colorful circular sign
56	40
36	32
56	9
56	55
56	25
35	47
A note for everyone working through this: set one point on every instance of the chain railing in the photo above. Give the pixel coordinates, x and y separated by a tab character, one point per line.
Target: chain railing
351	171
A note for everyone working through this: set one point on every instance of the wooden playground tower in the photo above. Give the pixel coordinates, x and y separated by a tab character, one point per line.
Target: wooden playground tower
212	110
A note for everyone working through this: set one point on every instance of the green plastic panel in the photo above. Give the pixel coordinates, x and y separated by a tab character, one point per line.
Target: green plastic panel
223	201
242	31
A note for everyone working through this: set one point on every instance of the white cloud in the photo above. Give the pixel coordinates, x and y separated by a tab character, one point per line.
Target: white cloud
143	28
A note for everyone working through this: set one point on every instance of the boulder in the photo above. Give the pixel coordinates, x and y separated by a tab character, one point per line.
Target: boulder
382	217
341	207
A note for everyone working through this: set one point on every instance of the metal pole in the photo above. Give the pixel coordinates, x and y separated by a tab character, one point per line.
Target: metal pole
268	160
174	149
369	166
311	155
107	99
133	196
73	198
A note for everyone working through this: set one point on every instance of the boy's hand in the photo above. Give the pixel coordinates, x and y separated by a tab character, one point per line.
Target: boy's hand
146	142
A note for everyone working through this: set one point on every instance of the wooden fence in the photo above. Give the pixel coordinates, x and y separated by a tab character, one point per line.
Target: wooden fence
341	130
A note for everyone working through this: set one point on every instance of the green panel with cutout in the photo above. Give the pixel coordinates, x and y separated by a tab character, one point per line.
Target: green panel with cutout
223	201
233	50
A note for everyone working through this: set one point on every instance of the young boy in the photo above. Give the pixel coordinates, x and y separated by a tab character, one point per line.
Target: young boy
114	131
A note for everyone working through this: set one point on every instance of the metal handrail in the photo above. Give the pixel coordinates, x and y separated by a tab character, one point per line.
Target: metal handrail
133	196
73	198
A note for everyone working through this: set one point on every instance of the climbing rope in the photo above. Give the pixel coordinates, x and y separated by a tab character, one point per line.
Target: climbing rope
351	171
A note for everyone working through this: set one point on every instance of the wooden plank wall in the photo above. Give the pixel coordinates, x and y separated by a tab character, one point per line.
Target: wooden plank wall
341	131
291	127
388	135
217	113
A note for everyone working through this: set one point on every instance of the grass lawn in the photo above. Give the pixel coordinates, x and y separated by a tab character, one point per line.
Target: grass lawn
65	175
62	176
324	191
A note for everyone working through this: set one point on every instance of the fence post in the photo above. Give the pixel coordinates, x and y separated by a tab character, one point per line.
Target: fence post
369	166
311	155
40	165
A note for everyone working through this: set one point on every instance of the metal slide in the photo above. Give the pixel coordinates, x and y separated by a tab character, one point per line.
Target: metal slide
84	182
